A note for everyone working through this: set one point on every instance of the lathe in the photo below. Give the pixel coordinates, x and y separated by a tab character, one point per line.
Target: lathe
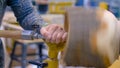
93	39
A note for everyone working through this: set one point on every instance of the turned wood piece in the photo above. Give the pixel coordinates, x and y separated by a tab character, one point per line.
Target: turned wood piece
92	38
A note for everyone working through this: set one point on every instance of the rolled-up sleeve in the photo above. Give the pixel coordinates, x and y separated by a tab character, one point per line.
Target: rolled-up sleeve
26	15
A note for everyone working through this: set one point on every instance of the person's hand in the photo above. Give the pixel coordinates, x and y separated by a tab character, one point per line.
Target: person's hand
54	33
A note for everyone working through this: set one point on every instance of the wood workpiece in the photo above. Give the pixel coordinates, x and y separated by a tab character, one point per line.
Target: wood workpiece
93	39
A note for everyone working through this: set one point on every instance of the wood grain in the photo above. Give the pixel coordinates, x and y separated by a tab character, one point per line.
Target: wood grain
92	38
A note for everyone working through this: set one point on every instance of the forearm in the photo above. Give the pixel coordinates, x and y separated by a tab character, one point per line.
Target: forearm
25	13
30	20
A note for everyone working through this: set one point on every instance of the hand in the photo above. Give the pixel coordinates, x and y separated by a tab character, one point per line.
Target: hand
54	33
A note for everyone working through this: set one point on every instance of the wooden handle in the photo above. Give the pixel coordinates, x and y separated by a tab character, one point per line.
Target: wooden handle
10	34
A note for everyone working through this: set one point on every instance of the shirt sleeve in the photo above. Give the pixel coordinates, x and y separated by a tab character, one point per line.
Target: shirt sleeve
26	15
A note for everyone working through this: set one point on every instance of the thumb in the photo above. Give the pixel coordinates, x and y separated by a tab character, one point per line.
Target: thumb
44	32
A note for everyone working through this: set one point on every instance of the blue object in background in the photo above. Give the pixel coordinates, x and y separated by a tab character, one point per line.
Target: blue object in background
90	3
43	8
93	3
114	8
79	3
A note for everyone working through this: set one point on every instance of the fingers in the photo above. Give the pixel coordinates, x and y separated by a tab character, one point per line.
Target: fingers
51	30
64	37
44	31
57	35
54	33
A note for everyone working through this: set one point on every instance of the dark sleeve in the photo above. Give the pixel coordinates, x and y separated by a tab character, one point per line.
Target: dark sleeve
26	15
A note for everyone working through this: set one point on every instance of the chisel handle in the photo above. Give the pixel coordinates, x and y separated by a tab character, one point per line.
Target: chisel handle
11	34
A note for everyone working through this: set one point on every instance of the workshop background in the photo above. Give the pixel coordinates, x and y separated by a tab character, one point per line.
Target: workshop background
52	11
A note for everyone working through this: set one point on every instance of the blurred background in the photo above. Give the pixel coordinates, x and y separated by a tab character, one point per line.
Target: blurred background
52	11
58	6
